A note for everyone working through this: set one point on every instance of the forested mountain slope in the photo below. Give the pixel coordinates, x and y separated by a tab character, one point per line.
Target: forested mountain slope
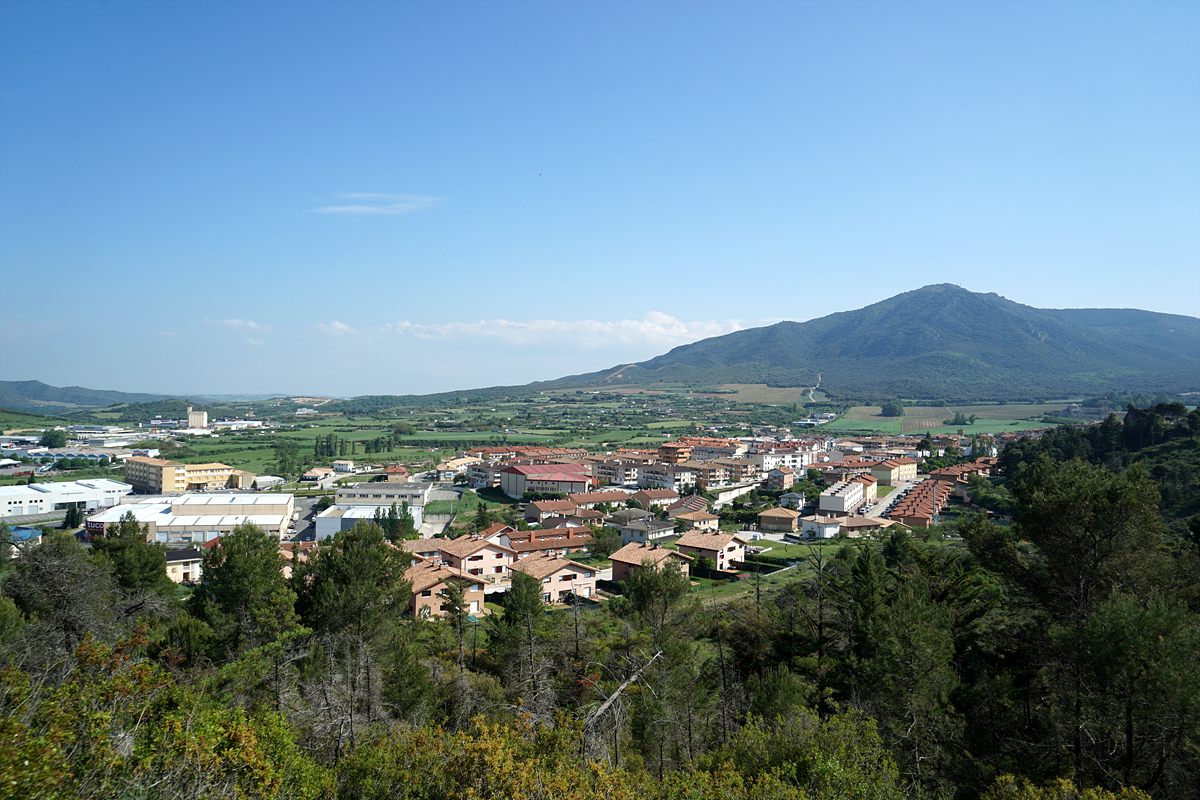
941	341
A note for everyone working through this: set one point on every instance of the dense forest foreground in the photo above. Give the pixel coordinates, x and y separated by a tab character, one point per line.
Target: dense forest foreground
1053	657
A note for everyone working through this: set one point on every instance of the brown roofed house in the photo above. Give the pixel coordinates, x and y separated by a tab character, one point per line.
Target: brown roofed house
636	554
725	549
656	498
541	509
693	502
779	519
559	576
429	581
477	556
699	520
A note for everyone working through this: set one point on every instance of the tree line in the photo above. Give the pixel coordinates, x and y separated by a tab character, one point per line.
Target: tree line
1053	657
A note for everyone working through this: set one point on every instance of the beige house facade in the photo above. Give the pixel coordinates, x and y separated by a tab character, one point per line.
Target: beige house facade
559	576
636	555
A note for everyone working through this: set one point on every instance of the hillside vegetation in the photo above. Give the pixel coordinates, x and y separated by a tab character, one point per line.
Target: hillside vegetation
941	342
40	397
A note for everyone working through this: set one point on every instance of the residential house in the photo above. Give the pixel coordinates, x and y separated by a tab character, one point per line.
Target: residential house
647	529
794	500
560	576
423	548
625	516
870	487
431	579
818	527
397	473
855	526
894	470
286	549
449	468
692	502
674	452
778	519
582	516
498	533
477	556
343	465
589	500
561	541
540	510
655	498
698	520
636	555
183	566
920	507
781	478
727	550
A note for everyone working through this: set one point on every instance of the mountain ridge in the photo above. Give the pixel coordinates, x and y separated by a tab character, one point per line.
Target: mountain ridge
937	342
940	341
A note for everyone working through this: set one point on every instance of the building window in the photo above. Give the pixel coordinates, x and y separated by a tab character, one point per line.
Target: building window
427	593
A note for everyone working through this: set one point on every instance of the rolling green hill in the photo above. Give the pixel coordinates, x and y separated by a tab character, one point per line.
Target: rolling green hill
43	398
940	341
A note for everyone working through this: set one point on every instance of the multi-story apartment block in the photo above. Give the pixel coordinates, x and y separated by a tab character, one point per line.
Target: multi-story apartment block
159	476
842	498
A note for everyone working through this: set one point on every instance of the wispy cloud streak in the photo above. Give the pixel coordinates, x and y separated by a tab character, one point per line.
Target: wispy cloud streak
374	204
655	329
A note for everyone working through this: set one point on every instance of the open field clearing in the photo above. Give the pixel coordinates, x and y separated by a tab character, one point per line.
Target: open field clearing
990	419
881	424
758	393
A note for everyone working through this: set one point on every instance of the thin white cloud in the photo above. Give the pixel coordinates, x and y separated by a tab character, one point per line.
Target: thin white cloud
243	324
336	328
375	204
255	342
655	329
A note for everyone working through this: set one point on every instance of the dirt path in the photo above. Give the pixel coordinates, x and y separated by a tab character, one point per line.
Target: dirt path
811	399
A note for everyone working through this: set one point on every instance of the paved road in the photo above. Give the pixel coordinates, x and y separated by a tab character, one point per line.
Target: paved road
306	528
882	503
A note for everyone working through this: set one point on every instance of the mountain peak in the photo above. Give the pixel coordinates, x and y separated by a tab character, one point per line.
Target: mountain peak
941	341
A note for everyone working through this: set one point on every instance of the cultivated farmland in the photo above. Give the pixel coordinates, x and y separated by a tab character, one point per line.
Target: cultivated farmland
991	419
758	393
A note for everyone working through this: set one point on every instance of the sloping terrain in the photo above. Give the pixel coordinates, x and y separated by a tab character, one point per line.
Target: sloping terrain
941	341
38	396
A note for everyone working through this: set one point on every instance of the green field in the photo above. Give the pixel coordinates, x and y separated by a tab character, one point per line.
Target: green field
758	393
922	419
21	421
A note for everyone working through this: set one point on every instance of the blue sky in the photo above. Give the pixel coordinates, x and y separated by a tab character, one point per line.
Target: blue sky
409	197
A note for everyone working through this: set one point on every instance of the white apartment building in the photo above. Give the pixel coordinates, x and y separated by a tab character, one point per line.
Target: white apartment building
842	498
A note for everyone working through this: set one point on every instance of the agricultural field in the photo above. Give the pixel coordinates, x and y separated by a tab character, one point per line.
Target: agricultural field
919	419
758	393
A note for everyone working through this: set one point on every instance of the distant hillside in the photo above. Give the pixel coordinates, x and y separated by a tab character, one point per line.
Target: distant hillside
43	398
940	342
11	420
